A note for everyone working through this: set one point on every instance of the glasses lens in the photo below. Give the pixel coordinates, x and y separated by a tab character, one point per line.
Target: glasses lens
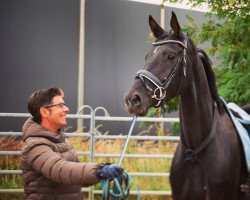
61	105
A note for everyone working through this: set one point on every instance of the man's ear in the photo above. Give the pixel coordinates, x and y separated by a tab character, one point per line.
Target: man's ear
44	112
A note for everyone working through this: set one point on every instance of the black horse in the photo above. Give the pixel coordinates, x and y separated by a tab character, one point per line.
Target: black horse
208	163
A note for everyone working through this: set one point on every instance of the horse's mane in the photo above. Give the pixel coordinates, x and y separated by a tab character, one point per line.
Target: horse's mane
210	78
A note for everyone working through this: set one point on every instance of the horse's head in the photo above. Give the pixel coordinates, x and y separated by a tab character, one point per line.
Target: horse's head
166	69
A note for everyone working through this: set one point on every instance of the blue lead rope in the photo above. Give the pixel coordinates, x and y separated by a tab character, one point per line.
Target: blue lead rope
127	139
119	188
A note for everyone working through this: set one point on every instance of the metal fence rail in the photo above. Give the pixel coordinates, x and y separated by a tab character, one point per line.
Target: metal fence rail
93	135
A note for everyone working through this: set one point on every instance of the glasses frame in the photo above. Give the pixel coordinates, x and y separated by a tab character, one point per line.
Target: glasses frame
60	105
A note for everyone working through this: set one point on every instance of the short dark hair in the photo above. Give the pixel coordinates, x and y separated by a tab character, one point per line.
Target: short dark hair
40	99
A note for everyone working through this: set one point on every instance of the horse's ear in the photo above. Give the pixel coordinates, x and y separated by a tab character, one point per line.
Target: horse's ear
175	25
155	27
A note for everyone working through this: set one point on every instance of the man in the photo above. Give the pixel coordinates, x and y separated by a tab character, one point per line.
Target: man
50	167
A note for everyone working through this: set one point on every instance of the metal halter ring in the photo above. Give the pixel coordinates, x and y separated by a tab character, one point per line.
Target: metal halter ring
162	93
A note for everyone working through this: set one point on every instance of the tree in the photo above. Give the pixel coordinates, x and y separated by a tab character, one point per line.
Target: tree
230	40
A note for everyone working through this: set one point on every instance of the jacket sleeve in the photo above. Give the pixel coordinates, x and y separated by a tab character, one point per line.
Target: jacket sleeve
51	165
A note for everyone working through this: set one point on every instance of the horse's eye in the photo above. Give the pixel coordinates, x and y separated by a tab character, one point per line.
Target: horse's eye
168	55
171	57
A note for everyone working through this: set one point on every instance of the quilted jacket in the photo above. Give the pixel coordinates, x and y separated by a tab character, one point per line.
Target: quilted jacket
50	167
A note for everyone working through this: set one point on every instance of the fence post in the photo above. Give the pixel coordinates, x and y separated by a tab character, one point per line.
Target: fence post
92	141
92	125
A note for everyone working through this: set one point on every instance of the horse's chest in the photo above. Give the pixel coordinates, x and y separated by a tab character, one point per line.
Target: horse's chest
188	181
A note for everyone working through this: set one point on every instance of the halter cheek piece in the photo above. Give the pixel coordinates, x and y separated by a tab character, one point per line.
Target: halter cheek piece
159	93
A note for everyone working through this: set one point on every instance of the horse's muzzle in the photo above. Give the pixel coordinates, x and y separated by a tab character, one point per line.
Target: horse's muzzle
135	104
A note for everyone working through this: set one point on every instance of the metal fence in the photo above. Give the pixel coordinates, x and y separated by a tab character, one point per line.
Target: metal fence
93	135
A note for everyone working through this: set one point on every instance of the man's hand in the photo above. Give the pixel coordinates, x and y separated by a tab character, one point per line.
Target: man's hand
108	171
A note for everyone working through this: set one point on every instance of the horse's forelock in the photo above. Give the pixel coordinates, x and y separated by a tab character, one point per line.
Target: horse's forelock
162	36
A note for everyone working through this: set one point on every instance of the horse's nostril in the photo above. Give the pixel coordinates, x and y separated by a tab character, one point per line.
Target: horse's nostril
136	100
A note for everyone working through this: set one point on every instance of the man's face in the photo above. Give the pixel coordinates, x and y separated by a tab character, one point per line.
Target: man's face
58	111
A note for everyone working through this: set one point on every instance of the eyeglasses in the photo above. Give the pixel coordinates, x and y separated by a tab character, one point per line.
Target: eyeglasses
60	105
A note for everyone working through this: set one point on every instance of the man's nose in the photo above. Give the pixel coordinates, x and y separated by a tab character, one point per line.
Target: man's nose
66	109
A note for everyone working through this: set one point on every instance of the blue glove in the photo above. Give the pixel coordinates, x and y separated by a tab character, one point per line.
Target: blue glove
109	171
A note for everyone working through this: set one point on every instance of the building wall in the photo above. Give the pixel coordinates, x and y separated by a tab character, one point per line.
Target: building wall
116	42
117	39
39	49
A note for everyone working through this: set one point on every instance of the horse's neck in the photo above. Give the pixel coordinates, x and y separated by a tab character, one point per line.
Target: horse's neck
196	109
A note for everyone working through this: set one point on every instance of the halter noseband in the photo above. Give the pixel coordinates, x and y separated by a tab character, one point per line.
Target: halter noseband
159	93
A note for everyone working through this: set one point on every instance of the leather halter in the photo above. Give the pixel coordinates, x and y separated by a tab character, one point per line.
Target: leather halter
159	93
